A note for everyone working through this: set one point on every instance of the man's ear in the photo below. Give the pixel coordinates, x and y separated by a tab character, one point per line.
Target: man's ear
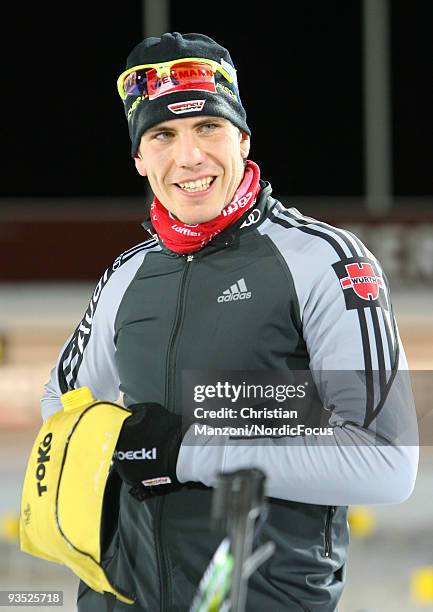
140	165
244	144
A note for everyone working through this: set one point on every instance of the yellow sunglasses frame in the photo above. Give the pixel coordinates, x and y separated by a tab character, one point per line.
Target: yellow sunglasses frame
163	68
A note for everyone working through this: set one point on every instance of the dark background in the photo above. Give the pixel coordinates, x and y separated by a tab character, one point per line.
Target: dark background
70	197
63	130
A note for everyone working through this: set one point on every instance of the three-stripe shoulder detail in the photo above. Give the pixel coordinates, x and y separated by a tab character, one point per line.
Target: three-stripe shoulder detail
142	246
344	243
378	331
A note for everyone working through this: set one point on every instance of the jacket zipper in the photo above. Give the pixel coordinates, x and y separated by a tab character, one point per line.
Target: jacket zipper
161	549
170	371
328	527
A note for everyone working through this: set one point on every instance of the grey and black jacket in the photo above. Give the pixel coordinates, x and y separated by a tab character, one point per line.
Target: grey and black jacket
314	298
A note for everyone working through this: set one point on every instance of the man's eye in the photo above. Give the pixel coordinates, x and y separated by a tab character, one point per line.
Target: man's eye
163	135
209	127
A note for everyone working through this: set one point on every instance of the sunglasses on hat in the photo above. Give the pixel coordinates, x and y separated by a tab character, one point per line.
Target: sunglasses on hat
154	80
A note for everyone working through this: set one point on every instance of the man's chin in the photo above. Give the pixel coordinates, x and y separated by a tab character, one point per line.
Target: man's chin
192	217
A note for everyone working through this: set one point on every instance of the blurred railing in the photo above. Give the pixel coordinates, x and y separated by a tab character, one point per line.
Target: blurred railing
70	239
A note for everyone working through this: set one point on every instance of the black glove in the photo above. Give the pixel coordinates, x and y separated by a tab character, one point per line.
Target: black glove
147	450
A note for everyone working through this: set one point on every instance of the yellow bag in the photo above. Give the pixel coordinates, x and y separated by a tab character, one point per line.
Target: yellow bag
64	485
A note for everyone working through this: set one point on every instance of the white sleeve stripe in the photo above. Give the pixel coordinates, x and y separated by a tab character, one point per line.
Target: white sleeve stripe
367	365
390	332
376	335
67	361
379	351
386	336
373	408
391	340
391	328
69	371
371	340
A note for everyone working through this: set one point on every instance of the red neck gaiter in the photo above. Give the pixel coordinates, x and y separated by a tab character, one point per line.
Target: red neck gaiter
183	238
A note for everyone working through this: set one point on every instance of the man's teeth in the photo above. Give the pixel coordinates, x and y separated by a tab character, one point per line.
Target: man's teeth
199	185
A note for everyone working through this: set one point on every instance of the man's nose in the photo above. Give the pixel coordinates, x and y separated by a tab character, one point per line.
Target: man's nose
188	152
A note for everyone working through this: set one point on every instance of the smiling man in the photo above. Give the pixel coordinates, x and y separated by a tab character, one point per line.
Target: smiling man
233	284
194	166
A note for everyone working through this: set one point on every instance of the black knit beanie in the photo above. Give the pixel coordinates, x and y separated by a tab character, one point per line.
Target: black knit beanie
143	113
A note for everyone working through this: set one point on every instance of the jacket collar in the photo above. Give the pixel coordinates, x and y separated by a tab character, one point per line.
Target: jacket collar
252	219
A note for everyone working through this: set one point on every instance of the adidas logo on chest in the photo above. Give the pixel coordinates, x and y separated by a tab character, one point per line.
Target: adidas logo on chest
235	292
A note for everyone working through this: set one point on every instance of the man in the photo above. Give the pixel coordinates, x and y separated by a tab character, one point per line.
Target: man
232	281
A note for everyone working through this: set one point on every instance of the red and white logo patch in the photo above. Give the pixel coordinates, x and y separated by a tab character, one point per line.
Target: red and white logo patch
236	204
363	280
362	283
186	107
